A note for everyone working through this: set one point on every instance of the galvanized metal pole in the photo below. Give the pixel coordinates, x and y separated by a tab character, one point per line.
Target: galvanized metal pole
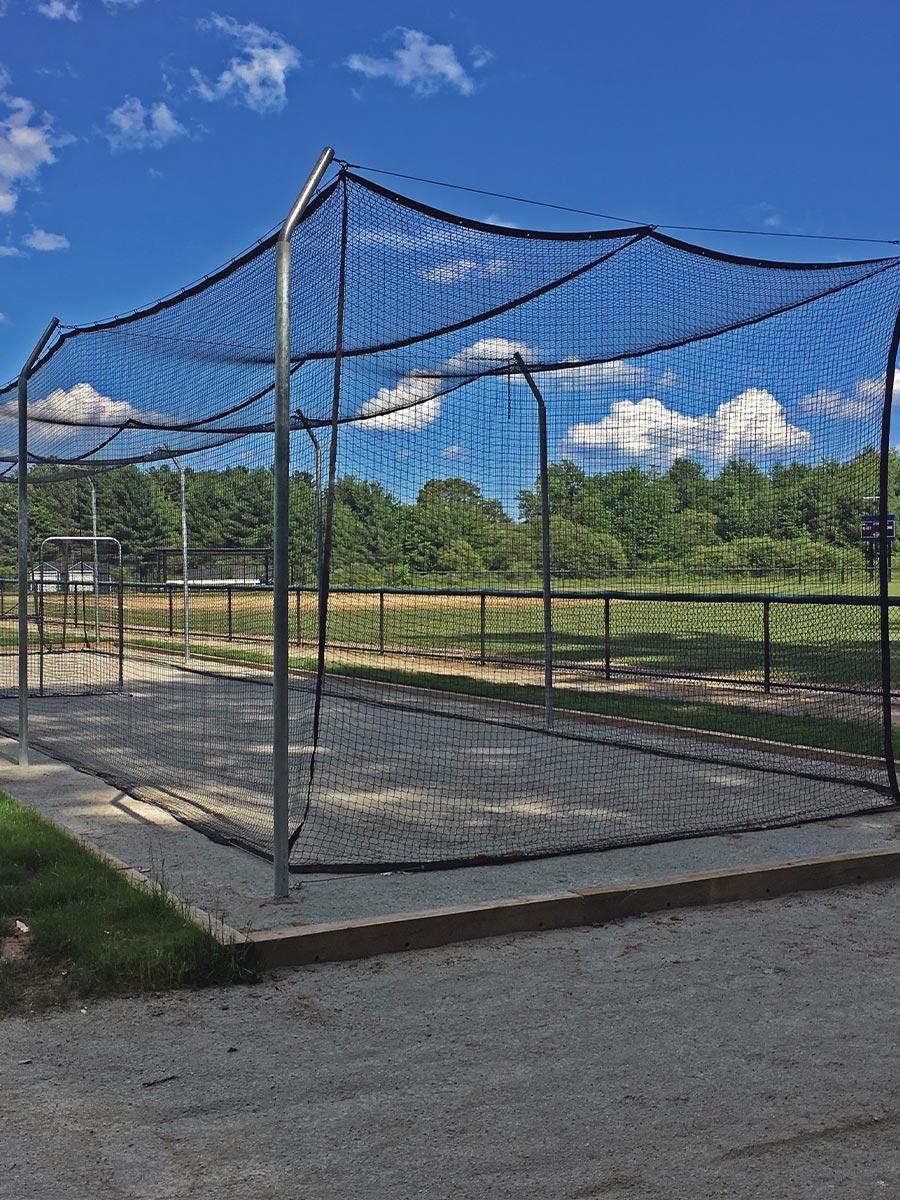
186	618
545	541
96	565
23	537
280	563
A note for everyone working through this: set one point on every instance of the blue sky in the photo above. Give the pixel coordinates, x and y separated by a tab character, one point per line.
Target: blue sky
728	114
146	141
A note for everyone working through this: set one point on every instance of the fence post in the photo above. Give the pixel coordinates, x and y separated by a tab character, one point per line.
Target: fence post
767	650
607	647
546	587
482	629
168	588
230	614
121	617
381	621
299	611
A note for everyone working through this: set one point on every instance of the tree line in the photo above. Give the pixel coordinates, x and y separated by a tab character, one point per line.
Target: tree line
795	516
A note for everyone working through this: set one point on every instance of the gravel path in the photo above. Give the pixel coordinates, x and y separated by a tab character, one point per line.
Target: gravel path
744	1051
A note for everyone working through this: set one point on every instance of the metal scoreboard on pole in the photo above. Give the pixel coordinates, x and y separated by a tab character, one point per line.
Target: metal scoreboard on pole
870	528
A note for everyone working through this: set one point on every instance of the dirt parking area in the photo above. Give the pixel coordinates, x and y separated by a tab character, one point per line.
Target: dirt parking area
743	1051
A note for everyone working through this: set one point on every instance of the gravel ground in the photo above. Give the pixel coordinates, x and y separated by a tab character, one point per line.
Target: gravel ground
743	1051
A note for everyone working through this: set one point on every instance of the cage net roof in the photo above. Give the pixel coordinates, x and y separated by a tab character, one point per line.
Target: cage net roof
431	304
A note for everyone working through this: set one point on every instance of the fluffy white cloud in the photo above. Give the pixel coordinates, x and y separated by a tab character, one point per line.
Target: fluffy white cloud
132	126
863	401
412	405
480	57
60	10
115	5
9	252
460	269
82	404
455	452
26	145
40	239
752	425
597	375
418	63
256	75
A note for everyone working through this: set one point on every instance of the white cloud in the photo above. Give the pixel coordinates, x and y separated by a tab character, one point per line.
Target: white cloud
866	399
751	425
256	75
595	375
4	319
26	145
418	63
412	405
81	404
60	10
40	239
132	126
485	354
455	452
668	379
480	56
9	252
115	5
460	269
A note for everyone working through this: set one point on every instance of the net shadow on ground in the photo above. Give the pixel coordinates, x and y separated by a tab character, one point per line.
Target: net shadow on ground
407	779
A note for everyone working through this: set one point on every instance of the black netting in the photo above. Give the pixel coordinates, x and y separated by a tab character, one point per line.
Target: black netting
719	650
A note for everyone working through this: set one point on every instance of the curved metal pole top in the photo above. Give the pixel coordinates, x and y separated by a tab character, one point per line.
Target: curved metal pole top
36	352
299	205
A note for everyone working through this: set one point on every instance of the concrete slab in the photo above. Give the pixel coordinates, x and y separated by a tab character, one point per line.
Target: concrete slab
235	886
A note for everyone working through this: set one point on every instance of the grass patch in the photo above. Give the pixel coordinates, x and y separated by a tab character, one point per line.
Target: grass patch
91	932
852	737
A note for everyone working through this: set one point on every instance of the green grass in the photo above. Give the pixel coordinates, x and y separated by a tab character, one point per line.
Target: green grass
92	933
853	737
831	645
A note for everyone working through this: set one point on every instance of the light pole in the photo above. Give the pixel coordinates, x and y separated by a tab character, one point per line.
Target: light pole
186	621
93	488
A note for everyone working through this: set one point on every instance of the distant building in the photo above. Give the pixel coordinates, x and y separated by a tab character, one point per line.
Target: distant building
48	577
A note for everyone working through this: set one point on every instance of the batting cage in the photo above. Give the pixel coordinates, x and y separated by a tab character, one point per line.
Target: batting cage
579	540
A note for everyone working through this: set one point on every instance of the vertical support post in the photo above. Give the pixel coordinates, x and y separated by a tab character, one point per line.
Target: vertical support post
96	568
22	482
767	649
121	616
230	614
545	541
607	640
168	588
39	619
280	561
186	602
381	621
482	629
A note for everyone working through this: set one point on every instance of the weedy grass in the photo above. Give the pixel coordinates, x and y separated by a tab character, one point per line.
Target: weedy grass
90	931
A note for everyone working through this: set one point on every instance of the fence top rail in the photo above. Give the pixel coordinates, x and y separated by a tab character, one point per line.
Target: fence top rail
838	598
850	599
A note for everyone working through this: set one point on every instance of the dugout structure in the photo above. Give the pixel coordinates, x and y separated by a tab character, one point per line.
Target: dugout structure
512	417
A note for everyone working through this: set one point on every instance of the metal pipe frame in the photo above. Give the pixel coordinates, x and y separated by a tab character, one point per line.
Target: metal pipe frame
23	535
186	603
185	591
280	559
93	488
545	540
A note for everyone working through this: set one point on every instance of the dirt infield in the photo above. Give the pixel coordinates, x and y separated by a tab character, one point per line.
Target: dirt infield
747	1051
